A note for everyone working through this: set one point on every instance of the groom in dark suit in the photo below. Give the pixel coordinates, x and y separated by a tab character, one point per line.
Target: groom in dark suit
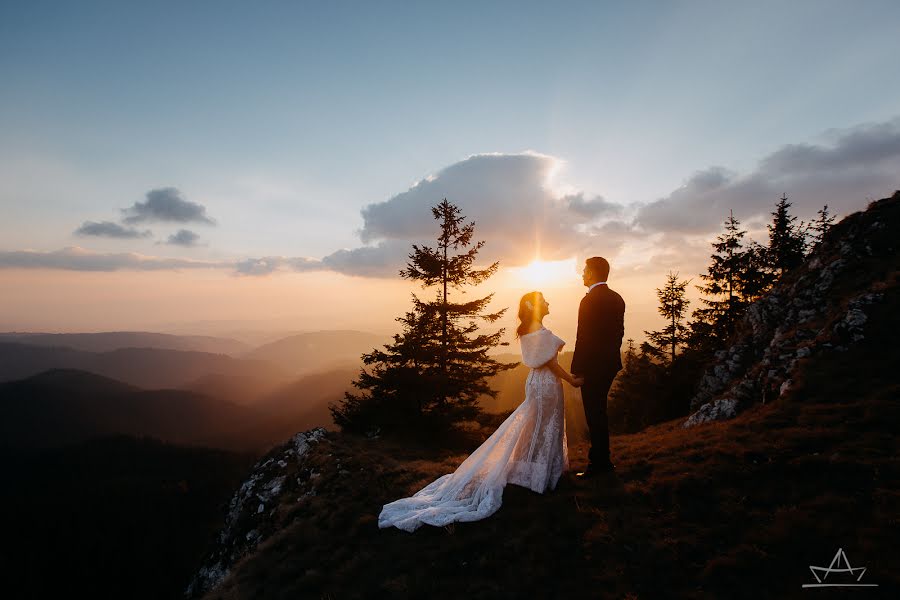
597	357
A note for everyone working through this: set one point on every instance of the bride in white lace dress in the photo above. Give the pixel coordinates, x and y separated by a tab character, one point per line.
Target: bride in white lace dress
528	449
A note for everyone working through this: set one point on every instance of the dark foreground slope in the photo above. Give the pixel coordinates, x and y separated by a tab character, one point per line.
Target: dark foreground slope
116	517
731	509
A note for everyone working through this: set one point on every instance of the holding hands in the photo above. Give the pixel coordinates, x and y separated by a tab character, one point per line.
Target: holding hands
575	380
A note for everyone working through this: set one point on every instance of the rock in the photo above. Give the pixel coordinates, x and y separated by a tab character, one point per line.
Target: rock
247	522
723	408
784	387
776	331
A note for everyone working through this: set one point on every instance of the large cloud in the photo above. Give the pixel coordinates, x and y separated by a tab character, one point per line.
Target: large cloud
861	163
110	229
507	195
168	205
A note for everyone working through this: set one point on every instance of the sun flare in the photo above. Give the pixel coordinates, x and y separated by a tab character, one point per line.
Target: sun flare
543	272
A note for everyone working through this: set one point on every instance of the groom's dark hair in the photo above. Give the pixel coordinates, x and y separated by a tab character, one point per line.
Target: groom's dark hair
599	266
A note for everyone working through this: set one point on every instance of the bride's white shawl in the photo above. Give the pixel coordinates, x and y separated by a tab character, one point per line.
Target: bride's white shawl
539	346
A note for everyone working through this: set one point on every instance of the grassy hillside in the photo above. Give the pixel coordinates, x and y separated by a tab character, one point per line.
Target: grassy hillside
732	509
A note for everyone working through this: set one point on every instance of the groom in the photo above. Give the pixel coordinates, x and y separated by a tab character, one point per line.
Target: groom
597	357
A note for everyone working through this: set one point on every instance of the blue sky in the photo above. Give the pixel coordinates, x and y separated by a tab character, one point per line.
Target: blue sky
286	119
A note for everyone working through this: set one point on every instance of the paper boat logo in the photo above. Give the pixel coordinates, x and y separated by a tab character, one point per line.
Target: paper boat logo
839	564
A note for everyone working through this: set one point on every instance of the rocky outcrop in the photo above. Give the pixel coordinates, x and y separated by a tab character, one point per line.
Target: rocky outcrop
281	472
820	307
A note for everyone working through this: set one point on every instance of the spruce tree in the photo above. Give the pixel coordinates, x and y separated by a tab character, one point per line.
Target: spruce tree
820	226
672	307
437	368
639	396
726	277
787	241
758	276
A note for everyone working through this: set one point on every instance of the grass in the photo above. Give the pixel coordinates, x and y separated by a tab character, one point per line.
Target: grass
732	509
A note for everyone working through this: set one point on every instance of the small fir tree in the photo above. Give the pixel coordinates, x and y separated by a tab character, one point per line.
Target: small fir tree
820	226
787	241
672	306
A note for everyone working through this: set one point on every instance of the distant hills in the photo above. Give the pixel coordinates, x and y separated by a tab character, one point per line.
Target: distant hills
66	388
163	360
314	351
299	405
58	394
113	340
62	406
143	367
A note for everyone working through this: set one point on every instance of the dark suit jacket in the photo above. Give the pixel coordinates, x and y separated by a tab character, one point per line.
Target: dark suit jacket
601	327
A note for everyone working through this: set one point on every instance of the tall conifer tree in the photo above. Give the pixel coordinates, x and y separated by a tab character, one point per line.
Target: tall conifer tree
438	367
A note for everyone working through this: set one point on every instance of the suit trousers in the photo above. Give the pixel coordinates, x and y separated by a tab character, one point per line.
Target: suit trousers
594	397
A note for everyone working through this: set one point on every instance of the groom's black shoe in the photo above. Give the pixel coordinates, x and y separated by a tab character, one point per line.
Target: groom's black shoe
593	470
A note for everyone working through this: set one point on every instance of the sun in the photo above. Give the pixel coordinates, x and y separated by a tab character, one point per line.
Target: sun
543	272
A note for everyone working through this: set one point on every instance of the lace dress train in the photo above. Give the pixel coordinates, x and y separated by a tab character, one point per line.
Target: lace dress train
528	449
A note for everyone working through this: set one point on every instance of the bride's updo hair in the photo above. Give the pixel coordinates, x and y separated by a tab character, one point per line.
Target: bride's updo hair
528	315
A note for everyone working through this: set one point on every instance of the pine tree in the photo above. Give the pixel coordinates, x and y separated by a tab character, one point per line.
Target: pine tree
438	367
726	277
638	397
672	306
787	241
758	276
630	352
820	226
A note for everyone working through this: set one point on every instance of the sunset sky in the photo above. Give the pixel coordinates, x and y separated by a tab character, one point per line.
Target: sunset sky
208	167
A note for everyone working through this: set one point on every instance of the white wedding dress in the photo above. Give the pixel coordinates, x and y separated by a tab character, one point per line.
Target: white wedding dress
528	449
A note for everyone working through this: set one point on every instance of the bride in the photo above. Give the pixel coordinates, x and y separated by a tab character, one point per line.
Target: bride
528	449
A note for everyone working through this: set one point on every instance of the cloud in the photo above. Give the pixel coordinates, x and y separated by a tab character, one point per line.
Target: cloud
166	204
596	207
863	146
271	264
385	259
509	197
111	230
259	266
76	258
862	162
183	237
